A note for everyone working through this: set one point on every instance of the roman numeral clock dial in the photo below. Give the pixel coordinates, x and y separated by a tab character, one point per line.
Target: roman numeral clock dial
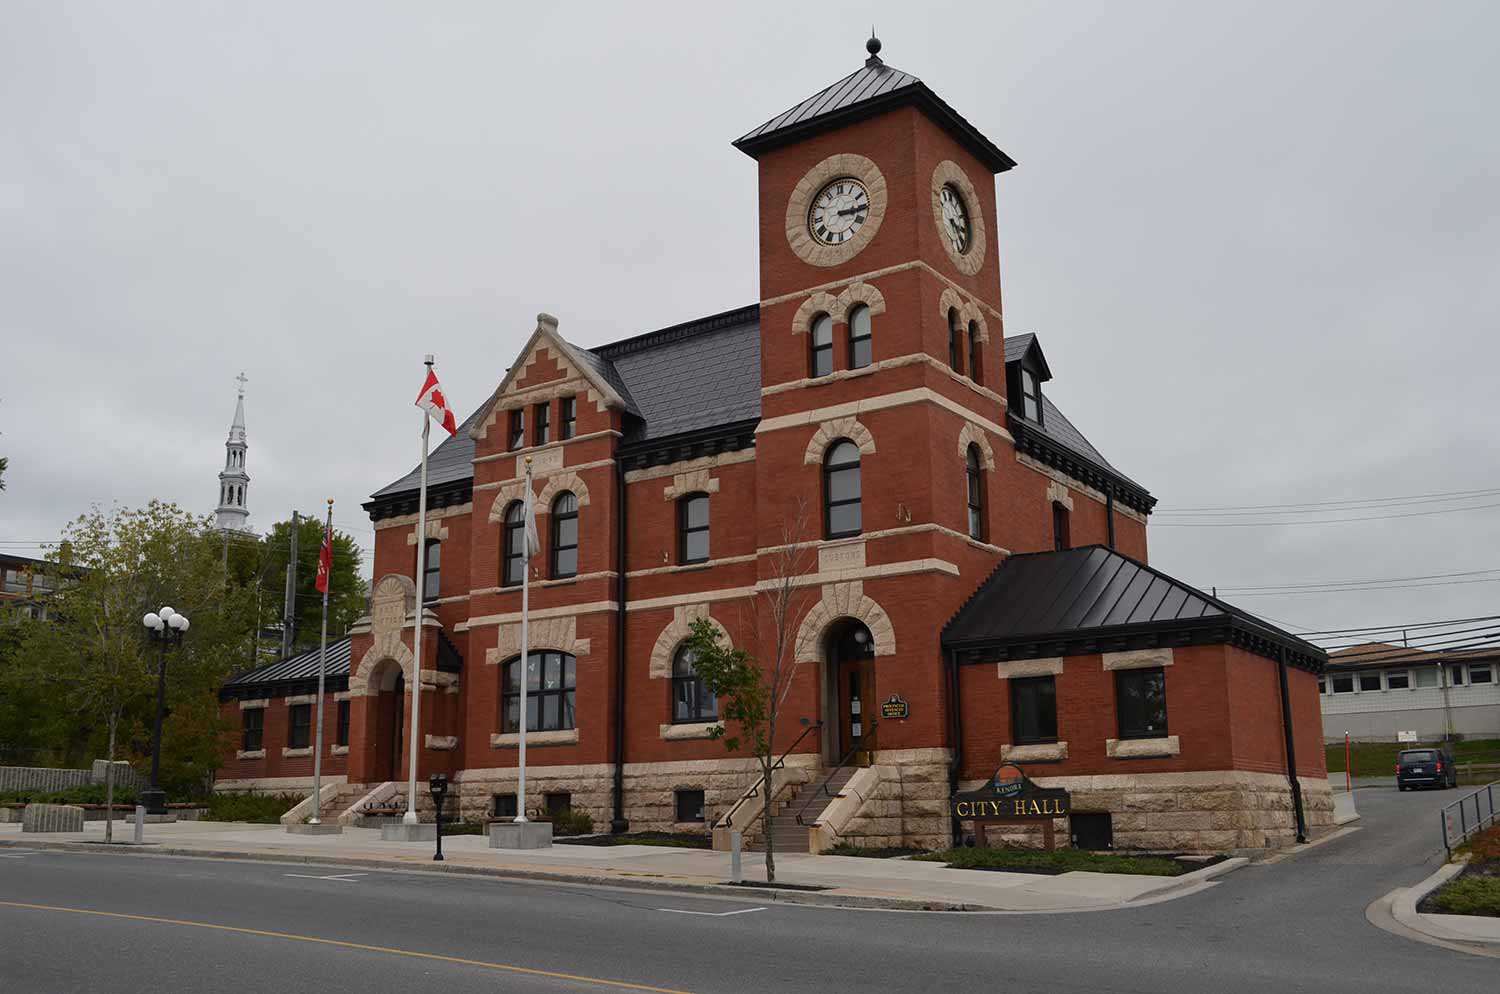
955	219
838	211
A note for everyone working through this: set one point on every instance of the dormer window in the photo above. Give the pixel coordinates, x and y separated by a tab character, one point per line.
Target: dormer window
1031	396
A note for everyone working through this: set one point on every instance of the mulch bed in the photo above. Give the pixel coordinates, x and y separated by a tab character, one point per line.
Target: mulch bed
679	840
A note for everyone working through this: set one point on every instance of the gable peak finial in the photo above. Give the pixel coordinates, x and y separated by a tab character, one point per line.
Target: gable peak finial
873	47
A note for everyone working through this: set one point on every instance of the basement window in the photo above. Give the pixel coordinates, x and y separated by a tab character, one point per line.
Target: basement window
503	806
689	805
557	803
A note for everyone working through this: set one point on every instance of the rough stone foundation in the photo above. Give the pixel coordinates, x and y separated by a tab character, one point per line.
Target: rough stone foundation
909	806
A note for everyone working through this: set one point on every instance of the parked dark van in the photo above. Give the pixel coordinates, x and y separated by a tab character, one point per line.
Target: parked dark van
1429	767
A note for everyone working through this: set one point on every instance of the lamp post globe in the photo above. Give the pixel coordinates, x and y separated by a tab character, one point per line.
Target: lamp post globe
152	621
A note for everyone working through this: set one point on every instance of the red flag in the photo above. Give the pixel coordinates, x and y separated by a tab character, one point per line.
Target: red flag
325	562
432	400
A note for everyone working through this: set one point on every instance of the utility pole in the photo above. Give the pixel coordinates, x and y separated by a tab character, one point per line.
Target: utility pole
289	612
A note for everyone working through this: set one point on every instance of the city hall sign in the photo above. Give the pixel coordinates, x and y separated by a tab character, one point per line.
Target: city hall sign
1013	799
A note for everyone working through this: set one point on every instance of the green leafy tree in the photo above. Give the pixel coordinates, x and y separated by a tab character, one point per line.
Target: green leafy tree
753	687
262	566
94	657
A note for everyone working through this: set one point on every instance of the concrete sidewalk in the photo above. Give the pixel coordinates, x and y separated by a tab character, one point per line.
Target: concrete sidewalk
897	884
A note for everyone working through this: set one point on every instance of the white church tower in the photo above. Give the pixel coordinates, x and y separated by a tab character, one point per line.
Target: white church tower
234	482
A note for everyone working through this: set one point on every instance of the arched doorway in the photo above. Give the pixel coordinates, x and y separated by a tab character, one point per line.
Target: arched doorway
390	717
848	691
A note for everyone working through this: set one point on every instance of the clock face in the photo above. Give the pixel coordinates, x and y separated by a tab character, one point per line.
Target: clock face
838	211
956	226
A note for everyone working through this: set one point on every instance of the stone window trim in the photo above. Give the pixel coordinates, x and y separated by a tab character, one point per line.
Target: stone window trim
1142	748
894	362
258	702
557	484
801	241
1017	669
446	743
843	600
1041	752
692	482
557	634
948	173
1057	493
972	434
675	633
288	752
436	532
338	750
512	740
688	730
830	432
302	699
969	311
250	754
838	307
1137	659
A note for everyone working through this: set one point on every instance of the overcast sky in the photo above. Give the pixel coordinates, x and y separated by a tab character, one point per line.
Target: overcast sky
1258	241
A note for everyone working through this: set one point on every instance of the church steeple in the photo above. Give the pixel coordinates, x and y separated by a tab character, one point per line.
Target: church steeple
234	483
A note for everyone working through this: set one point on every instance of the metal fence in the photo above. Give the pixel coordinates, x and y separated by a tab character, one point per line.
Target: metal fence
1468	815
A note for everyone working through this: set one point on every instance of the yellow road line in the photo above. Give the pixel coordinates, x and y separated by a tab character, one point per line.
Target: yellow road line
506	967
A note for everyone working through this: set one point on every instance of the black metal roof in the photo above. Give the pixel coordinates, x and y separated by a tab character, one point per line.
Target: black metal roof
1016	347
293	669
1096	599
872	89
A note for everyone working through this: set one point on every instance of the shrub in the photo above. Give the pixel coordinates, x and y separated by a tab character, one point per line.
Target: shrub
1061	860
570	822
262	809
89	794
1469	896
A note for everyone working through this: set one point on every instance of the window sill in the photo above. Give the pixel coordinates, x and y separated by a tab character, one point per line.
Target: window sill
1038	752
338	750
290	753
688	730
512	740
250	754
1142	748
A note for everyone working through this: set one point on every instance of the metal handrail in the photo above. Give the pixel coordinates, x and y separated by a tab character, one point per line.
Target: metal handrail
728	817
864	746
1455	816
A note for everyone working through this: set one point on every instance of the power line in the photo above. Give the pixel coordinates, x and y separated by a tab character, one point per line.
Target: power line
1451	494
1323	521
1341	583
1404	635
1407	626
1357	590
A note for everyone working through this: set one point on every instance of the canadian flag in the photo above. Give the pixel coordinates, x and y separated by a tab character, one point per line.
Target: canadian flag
325	562
432	400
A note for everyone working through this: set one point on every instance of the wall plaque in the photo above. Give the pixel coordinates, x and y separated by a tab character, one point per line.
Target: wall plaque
895	708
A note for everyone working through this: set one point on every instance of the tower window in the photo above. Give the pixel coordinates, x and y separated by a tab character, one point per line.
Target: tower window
432	570
841	490
513	546
976	354
564	536
569	420
974	474
821	361
517	428
692	529
861	352
955	342
543	419
1031	395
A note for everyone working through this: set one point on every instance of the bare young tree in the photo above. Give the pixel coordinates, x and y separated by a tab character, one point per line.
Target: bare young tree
753	686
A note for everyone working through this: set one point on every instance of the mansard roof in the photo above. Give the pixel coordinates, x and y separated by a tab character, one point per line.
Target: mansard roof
872	89
1096	599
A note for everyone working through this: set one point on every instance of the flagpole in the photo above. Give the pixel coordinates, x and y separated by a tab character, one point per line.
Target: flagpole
524	663
410	818
317	794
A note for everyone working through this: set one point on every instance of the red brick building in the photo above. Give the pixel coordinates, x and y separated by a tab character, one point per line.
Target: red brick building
869	422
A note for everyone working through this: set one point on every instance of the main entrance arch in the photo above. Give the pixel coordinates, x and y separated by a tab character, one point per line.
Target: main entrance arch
848	690
388	684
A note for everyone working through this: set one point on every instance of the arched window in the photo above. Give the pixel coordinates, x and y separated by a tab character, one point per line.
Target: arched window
564	536
550	687
513	546
861	351
691	700
433	569
820	363
974	471
976	354
955	342
692	529
841	512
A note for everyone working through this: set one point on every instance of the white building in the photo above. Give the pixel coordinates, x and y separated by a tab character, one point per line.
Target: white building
1375	691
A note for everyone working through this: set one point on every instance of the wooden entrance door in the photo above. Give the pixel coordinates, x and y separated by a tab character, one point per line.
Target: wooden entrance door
856	697
392	716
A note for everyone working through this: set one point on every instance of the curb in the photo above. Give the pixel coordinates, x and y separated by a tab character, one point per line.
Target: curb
1404	910
1190	880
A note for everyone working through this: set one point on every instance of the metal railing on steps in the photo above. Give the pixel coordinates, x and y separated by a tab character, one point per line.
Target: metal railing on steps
866	745
727	818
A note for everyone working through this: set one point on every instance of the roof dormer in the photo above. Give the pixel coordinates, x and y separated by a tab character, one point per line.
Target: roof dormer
1025	371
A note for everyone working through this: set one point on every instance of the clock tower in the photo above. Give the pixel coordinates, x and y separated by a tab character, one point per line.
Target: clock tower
882	371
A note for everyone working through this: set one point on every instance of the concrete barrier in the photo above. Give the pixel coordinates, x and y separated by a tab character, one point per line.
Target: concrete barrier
1343	808
52	818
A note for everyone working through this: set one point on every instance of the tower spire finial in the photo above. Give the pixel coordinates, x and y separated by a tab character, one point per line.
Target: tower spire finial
873	47
242	379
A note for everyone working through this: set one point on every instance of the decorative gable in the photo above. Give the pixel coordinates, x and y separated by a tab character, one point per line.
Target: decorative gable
578	375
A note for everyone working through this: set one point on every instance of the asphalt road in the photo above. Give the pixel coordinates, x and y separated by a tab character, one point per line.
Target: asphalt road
1292	925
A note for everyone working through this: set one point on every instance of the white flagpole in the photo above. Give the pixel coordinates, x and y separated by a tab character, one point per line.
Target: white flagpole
410	818
525	663
316	818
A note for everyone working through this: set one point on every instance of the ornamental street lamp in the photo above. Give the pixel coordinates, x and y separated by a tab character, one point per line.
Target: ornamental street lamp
165	627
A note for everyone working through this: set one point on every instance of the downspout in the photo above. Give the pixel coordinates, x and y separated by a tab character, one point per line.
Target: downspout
1109	515
1291	748
956	732
618	825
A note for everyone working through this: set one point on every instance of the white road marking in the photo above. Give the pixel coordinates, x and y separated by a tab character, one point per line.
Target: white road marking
346	878
710	914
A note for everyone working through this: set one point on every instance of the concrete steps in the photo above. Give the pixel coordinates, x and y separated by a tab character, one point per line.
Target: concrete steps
807	800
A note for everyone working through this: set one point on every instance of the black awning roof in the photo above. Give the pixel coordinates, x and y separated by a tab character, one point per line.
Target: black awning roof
293	671
1095	599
